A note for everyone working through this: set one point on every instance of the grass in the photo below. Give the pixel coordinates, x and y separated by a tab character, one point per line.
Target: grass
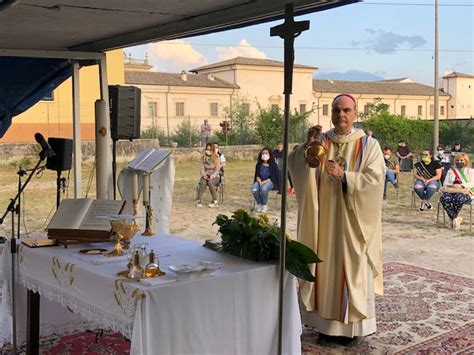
39	199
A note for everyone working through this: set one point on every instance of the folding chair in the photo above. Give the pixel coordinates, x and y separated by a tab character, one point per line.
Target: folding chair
471	204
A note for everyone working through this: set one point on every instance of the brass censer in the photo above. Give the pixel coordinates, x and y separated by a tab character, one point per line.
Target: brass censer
314	154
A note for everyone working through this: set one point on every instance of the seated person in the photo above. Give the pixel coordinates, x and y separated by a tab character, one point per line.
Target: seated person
266	178
461	178
427	174
278	155
457	148
210	168
222	160
444	160
404	156
392	169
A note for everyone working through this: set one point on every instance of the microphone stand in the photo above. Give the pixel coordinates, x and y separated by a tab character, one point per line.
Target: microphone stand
13	242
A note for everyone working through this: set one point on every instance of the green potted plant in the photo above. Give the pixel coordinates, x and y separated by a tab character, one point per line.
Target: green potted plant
254	238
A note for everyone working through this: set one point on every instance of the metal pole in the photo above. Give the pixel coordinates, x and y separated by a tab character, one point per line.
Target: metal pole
436	84
76	123
289	30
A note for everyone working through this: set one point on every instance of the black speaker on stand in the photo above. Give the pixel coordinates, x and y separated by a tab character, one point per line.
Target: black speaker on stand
61	161
125	117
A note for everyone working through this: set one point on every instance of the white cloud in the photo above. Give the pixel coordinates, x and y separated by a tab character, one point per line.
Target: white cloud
243	49
175	55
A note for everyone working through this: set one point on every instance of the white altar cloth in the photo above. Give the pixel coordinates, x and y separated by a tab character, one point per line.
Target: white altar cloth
233	311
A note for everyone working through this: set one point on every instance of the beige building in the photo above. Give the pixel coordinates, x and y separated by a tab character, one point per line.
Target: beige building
403	96
206	91
461	88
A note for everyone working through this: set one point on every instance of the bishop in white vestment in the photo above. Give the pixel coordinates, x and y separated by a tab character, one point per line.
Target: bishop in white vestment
339	216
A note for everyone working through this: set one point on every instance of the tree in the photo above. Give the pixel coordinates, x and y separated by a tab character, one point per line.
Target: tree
270	125
241	123
186	134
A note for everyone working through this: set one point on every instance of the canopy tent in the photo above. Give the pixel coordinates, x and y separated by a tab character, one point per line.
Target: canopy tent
46	29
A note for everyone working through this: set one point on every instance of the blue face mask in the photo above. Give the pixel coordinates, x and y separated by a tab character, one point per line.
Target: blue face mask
459	164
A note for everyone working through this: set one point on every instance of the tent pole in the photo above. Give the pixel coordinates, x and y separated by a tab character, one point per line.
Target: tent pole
289	30
76	124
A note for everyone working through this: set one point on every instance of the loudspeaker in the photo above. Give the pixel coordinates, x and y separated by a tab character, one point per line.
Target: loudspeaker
124	112
62	159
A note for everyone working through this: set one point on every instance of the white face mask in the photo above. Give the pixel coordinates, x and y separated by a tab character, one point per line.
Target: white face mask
265	157
208	152
387	156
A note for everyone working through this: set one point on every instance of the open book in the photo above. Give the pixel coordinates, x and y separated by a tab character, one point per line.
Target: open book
82	219
148	160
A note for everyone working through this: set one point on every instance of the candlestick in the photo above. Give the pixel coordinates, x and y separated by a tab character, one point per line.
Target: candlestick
146	189
135	186
149	221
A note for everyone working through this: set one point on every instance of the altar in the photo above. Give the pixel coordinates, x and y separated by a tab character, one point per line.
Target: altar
232	311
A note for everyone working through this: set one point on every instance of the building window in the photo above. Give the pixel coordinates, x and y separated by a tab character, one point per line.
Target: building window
152	109
245	109
179	109
325	109
366	109
213	109
420	110
431	110
403	110
48	97
275	108
441	110
302	108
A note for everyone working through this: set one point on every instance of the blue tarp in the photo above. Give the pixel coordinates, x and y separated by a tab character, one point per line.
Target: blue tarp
25	81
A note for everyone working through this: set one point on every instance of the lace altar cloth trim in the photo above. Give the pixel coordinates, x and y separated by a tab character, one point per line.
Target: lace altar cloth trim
92	313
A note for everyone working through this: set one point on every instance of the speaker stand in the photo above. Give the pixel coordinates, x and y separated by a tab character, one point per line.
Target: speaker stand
114	166
60	184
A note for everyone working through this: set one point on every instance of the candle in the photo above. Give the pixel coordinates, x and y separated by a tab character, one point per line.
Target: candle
146	188
135	187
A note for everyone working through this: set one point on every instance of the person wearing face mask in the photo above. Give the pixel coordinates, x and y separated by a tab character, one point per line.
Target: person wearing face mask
427	174
405	157
455	150
459	178
266	178
444	160
210	167
392	169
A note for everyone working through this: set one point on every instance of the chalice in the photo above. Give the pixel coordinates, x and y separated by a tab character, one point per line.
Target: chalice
125	229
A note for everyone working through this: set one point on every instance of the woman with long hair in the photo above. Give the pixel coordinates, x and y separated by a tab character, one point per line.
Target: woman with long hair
266	178
209	168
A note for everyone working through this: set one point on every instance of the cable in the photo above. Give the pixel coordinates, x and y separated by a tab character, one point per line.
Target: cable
324	48
412	4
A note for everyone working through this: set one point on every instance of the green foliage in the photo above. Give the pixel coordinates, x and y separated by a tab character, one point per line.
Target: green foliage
186	134
154	132
457	131
254	238
270	126
241	124
390	129
24	162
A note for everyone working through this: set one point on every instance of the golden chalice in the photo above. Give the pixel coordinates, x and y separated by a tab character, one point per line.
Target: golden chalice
125	230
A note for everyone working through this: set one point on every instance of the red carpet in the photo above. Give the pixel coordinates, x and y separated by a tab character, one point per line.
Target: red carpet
423	312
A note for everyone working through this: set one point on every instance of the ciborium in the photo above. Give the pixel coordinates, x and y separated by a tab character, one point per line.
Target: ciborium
125	229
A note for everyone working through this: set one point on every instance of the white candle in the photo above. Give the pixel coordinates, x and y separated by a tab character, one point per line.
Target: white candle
146	188
135	187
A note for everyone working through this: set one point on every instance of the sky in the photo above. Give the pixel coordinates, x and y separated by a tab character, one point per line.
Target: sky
372	40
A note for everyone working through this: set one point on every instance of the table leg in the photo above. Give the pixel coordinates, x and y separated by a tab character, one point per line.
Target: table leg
33	323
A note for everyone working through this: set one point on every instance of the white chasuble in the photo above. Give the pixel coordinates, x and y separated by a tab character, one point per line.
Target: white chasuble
343	226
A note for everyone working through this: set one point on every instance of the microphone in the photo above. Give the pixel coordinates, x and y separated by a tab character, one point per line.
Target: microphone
47	151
